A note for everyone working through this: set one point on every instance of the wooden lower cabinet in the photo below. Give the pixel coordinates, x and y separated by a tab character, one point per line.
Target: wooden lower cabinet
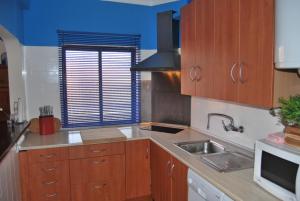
138	179
132	171
168	176
98	178
45	175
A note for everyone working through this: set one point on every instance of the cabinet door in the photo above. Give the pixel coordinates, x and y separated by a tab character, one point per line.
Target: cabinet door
188	62
179	181
99	178
226	49
256	52
160	173
204	49
137	169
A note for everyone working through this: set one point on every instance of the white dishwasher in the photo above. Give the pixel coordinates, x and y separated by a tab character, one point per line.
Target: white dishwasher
202	190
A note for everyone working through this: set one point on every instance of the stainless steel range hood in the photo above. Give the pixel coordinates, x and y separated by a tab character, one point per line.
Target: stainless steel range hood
167	57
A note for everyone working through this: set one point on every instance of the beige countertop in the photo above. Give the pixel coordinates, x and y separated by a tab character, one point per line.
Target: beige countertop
238	185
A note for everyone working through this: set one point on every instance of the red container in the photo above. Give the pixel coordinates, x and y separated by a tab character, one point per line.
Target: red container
46	125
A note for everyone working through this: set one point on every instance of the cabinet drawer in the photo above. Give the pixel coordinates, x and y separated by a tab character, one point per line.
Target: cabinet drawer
50	196
88	151
49	174
47	155
97	169
98	191
49	181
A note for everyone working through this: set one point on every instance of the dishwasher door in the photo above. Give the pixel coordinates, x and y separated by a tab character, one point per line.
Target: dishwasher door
202	190
194	196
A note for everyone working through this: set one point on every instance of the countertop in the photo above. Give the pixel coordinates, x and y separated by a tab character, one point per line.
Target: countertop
9	137
238	185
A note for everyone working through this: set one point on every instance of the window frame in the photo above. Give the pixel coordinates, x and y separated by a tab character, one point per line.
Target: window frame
135	104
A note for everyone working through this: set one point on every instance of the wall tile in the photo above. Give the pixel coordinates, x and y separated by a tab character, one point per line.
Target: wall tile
258	123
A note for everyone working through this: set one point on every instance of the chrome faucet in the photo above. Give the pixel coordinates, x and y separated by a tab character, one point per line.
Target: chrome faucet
228	127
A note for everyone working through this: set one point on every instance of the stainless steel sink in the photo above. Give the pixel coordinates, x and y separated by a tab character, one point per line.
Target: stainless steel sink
216	156
201	147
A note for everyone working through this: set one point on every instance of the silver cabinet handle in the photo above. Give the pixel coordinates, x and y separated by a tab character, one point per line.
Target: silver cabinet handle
172	168
147	153
192	75
169	168
198	75
99	186
51	195
49	182
47	156
49	169
231	72
242	80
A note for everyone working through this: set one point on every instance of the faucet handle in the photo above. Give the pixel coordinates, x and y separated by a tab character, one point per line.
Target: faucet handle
225	126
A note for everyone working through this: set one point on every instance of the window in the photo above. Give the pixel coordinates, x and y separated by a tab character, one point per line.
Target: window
97	86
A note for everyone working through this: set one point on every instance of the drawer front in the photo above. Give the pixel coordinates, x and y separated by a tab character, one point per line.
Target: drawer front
98	191
47	155
88	151
49	181
50	196
49	174
101	168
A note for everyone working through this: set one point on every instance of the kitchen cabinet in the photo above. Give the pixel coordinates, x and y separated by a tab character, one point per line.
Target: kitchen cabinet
168	176
98	172
138	178
45	175
234	50
188	58
197	48
179	181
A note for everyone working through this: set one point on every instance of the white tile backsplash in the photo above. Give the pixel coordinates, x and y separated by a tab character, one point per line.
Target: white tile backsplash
42	83
258	123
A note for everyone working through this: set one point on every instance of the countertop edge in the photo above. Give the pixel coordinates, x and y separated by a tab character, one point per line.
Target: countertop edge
15	140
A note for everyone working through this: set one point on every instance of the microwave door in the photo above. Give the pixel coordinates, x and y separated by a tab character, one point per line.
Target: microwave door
280	171
298	184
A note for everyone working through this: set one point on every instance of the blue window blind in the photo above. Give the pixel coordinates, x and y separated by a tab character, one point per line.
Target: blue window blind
97	87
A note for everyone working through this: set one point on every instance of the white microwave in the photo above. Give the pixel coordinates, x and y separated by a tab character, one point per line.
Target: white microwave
276	168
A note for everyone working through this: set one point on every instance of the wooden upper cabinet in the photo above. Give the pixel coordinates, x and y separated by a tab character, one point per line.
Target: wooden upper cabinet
226	58
230	44
204	50
138	173
256	52
188	57
161	182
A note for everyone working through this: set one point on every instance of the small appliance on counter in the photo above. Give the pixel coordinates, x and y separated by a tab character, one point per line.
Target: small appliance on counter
276	167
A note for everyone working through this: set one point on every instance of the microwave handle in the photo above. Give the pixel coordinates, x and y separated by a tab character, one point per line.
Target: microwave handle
298	184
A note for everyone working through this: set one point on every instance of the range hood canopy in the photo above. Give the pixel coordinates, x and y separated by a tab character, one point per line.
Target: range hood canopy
167	57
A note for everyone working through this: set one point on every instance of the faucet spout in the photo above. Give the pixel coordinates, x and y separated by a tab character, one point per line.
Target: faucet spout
229	127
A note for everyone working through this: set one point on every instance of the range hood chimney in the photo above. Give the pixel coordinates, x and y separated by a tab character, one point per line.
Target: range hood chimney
167	57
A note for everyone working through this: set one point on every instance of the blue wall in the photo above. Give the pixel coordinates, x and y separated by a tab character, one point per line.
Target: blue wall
35	22
44	18
11	16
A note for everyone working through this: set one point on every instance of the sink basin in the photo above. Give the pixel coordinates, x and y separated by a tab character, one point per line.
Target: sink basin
201	147
228	161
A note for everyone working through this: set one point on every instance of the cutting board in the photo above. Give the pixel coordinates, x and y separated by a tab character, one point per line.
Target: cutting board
102	135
